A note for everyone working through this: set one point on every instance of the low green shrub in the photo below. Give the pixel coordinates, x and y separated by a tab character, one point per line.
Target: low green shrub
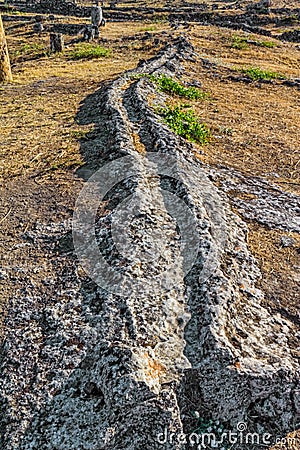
31	50
267	44
173	87
185	123
239	43
255	73
88	51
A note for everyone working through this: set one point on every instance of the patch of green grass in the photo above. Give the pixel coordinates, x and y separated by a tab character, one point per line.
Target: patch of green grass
255	73
68	163
149	28
185	123
267	44
239	42
88	51
160	19
173	87
30	50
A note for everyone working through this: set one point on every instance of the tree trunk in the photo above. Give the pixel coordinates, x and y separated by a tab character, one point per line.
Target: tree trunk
5	70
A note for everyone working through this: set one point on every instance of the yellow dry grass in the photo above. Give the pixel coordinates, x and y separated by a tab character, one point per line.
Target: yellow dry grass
139	146
289	442
255	126
155	3
255	130
280	267
37	111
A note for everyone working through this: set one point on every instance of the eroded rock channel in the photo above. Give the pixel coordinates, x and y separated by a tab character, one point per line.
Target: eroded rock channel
88	367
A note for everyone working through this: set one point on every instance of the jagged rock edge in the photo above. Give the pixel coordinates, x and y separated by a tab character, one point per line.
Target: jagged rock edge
262	384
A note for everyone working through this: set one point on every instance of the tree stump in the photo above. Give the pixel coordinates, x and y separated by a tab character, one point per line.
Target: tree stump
5	70
56	42
88	33
96	15
38	28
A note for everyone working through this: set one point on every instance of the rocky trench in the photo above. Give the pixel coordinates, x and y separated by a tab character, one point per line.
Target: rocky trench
84	367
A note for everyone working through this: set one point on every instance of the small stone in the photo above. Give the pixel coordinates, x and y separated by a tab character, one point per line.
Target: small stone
3	274
38	28
287	241
195	83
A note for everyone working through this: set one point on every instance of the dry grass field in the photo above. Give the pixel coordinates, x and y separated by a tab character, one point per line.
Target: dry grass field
255	130
162	3
39	136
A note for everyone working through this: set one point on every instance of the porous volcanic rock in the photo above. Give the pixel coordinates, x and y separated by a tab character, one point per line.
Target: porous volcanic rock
84	367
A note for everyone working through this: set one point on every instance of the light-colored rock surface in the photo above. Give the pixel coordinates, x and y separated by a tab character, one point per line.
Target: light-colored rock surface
84	368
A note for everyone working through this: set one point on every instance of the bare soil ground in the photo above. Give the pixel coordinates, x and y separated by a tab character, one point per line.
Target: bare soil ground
255	129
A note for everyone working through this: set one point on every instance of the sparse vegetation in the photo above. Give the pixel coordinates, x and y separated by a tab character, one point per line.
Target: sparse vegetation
30	50
173	87
241	43
185	123
267	44
255	132
255	73
68	163
10	9
79	134
149	28
88	51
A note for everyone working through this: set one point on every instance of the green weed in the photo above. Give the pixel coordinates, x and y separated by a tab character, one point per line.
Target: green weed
79	134
267	44
173	87
239	43
255	73
30	50
88	51
170	86
185	123
149	28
